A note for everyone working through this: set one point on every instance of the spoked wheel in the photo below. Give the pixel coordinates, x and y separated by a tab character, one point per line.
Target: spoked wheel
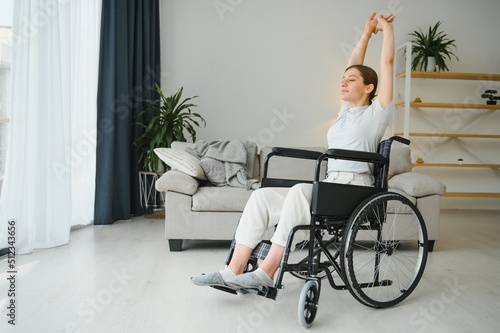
308	303
385	250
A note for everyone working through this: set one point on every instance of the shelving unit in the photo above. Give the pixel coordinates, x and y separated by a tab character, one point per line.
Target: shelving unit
405	105
450	106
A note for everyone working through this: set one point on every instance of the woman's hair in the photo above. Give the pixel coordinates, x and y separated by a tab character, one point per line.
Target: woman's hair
369	77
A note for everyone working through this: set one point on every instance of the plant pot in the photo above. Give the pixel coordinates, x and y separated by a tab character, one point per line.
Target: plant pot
491	102
431	64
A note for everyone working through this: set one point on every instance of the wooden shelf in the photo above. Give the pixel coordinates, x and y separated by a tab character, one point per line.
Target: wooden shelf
455	165
453	135
451	76
449	105
471	195
430	111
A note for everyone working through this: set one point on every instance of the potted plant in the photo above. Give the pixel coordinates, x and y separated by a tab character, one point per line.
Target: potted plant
163	121
433	44
490	95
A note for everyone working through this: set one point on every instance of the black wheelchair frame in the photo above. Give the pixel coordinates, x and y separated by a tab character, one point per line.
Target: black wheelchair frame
361	222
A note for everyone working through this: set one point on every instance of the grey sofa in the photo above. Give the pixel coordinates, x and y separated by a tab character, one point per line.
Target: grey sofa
197	210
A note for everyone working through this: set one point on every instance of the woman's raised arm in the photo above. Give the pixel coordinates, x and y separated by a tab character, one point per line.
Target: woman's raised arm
358	53
385	85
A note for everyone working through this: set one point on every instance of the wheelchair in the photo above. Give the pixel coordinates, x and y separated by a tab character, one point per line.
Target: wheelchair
367	240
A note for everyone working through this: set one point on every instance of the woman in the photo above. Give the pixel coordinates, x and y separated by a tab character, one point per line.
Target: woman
361	124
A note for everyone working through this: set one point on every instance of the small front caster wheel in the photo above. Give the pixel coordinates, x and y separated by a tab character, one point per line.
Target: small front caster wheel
308	303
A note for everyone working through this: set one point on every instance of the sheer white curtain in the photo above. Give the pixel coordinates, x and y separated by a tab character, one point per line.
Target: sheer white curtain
49	183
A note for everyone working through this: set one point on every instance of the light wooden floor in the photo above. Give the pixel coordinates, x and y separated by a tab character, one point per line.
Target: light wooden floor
122	278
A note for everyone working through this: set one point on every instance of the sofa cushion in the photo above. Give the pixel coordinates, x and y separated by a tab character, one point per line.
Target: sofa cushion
176	181
416	184
400	161
220	199
182	161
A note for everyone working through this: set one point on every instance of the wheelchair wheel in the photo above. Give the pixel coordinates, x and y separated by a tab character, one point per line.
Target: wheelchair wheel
308	303
384	251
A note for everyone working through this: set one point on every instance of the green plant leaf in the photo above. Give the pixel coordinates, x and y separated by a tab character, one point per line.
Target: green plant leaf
433	43
163	121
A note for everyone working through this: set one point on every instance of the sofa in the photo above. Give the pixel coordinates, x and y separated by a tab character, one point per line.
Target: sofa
195	209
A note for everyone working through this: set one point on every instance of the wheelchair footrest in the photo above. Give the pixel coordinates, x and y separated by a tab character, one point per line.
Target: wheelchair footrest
226	289
268	292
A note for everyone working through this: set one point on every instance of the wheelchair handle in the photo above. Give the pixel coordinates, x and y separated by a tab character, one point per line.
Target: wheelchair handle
401	139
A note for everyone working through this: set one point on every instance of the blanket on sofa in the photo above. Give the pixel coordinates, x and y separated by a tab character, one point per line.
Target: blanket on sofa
227	163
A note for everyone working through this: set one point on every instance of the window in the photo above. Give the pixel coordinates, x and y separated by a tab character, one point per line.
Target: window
6	13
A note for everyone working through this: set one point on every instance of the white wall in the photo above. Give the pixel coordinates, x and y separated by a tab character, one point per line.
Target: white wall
270	70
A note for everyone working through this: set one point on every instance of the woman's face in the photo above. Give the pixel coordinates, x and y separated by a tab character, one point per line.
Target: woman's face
353	88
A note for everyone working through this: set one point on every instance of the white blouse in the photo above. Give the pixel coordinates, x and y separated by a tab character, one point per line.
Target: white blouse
358	128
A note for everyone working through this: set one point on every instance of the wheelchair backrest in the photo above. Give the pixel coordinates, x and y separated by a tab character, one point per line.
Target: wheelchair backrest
381	172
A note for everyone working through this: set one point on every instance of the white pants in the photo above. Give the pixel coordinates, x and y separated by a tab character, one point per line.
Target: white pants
284	207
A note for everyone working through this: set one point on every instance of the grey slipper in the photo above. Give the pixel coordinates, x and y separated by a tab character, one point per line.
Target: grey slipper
245	281
210	279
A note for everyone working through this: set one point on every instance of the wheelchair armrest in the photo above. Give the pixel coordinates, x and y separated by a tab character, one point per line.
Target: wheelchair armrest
401	139
355	155
296	153
289	153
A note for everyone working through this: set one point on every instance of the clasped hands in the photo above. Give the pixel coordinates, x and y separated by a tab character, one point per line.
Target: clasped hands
374	23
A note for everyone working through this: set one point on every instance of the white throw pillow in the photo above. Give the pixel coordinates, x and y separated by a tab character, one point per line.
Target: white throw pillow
181	160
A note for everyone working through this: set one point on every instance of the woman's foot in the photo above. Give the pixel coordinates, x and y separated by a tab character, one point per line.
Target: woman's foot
251	280
213	279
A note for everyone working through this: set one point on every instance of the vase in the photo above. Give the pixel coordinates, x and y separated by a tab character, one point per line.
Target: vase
431	64
491	102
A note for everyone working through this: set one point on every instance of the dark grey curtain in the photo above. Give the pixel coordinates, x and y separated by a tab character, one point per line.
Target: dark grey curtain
129	66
